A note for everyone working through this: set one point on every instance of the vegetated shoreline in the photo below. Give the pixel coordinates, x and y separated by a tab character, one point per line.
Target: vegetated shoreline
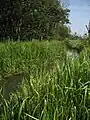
56	87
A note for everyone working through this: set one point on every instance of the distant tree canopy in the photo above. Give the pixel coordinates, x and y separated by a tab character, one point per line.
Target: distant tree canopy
33	19
75	36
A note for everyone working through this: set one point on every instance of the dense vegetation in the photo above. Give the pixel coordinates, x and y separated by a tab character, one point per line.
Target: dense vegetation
38	78
37	19
54	87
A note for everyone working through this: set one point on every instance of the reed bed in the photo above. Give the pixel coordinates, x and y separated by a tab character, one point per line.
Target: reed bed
54	87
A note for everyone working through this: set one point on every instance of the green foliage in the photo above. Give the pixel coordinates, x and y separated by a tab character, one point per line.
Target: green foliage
18	56
56	87
62	31
75	36
76	45
29	19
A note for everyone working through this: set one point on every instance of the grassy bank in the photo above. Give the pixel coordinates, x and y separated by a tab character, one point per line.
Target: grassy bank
54	87
29	56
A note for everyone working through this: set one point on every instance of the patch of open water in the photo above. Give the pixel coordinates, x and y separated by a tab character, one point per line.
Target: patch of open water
72	54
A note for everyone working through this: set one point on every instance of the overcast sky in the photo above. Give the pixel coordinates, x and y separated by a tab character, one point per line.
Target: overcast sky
79	15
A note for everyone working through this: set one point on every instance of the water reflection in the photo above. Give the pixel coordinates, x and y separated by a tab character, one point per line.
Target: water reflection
72	54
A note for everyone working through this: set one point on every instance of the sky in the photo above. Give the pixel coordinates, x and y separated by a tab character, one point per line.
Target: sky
79	15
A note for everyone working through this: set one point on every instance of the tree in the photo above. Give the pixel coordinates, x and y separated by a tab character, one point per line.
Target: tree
29	19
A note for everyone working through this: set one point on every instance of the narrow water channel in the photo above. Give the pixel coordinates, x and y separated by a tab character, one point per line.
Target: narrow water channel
72	54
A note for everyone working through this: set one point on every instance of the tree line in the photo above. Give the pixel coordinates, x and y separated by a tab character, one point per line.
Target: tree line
33	19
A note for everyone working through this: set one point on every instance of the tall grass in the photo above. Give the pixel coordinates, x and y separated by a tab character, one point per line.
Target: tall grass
55	87
16	57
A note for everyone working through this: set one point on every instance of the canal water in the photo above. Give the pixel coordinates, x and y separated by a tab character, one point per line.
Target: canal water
72	54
